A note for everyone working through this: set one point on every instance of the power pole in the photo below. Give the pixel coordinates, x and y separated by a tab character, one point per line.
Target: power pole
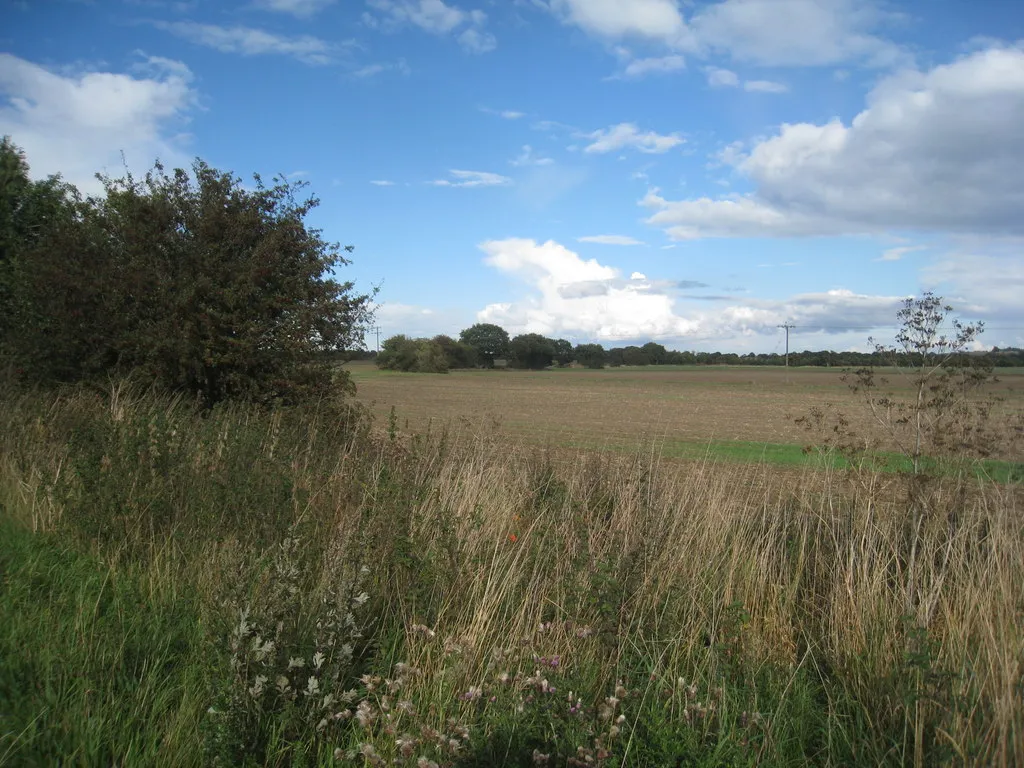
377	329
787	326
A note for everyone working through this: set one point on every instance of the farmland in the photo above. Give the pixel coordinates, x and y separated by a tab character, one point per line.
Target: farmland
739	411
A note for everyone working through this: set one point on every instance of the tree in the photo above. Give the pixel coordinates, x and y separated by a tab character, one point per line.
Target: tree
400	353
946	418
531	350
457	354
590	355
656	353
190	282
490	341
563	352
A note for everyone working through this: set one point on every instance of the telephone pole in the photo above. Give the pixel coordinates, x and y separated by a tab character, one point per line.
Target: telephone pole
787	326
376	328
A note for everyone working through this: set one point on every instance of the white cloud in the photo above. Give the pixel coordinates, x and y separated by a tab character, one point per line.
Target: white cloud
508	114
527	157
570	296
472	179
796	32
933	151
301	8
722	78
370	70
725	78
610	240
430	15
653	19
249	41
628	135
436	17
765	86
895	254
382	183
476	41
985	279
660	64
79	123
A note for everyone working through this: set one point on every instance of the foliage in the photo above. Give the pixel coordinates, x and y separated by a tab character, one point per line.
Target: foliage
490	342
563	352
190	282
457	353
590	355
947	418
531	350
400	353
805	622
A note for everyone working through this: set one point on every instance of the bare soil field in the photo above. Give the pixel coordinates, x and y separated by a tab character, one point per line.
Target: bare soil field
624	407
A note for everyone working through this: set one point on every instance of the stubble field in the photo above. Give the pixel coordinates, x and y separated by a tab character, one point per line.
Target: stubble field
734	412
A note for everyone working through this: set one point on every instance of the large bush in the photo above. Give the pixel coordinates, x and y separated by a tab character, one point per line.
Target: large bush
190	281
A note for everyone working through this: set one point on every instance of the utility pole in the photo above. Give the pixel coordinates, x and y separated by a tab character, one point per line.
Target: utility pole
377	329
787	326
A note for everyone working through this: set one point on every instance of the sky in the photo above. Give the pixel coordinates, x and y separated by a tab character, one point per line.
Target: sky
619	171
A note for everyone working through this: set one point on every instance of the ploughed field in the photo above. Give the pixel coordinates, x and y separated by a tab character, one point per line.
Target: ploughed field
683	409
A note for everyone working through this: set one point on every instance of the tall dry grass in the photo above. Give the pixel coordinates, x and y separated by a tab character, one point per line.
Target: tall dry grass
700	613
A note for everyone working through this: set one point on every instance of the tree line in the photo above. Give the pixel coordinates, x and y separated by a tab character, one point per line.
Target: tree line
188	281
481	345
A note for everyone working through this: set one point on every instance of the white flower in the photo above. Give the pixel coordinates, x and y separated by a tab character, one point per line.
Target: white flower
318	659
312	685
361	598
296	662
257	688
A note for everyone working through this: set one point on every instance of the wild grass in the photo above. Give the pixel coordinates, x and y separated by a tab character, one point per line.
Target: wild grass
297	588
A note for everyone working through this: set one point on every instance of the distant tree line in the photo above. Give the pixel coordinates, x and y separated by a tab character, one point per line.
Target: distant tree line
485	344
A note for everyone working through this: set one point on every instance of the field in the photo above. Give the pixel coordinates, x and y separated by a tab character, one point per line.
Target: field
301	587
729	411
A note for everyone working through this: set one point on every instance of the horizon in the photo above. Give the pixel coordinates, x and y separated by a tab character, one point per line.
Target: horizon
692	174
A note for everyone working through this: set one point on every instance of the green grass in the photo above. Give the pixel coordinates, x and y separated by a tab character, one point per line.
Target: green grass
790	455
749	616
94	669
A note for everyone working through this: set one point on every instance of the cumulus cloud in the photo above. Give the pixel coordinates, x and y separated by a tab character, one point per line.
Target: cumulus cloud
570	296
610	240
249	41
436	17
472	179
653	19
796	32
938	151
628	135
575	296
79	123
765	32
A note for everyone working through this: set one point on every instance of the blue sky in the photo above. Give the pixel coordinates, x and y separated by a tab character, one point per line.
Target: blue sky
696	173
